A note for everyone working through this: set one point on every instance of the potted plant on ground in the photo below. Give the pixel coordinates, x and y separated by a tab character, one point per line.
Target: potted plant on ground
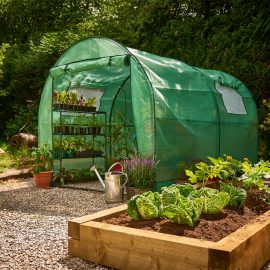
42	168
141	171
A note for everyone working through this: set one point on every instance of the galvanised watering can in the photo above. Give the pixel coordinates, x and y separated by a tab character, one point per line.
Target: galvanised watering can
114	189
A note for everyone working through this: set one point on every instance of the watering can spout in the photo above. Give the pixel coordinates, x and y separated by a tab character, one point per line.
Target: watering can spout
94	169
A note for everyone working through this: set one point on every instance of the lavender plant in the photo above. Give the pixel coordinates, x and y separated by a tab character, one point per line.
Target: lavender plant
141	171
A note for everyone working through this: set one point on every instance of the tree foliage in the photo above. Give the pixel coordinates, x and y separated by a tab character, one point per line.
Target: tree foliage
228	35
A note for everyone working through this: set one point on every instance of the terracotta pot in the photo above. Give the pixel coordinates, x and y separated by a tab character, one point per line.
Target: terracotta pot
131	191
213	180
43	179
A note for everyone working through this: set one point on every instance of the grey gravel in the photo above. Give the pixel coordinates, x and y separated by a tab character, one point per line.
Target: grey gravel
33	224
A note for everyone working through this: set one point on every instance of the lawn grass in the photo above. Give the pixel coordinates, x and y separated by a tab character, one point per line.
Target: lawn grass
13	158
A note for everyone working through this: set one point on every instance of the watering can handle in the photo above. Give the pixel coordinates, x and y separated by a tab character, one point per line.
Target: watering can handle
121	172
114	165
125	181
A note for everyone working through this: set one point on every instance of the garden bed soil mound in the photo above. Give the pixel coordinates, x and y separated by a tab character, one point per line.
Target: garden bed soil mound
212	227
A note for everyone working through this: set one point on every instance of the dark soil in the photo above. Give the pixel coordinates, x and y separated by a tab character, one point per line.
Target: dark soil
209	227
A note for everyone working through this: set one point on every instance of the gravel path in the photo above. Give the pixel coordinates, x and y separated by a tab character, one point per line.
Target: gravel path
33	224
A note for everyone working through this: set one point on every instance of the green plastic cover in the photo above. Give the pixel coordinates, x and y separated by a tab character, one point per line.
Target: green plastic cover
175	112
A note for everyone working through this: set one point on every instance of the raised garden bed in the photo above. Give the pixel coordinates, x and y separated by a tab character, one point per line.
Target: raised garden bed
131	248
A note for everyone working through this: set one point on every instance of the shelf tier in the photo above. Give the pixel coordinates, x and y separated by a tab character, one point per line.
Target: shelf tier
73	134
77	111
79	157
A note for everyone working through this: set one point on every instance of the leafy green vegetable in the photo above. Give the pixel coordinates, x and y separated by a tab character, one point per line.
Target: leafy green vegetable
203	192
185	212
184	189
147	205
169	195
213	201
132	208
237	195
216	203
181	203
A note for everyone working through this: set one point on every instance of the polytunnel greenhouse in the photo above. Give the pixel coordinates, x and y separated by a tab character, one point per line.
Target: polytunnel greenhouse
162	107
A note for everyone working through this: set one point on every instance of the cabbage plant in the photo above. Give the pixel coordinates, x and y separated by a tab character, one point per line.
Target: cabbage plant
213	201
237	195
185	211
184	189
180	203
144	206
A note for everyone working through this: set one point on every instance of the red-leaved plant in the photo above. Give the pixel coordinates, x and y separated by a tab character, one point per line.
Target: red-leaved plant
42	158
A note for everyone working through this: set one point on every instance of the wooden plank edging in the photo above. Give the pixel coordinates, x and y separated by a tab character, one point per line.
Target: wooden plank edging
129	248
248	248
74	224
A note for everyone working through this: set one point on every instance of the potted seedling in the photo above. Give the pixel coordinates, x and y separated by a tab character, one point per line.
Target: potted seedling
77	125
79	146
73	99
57	127
57	148
90	124
80	121
81	103
97	149
99	123
66	127
56	104
71	146
89	149
59	100
72	128
64	146
63	99
85	145
67	101
90	102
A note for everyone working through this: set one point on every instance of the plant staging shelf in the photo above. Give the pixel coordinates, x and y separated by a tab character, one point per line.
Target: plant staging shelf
78	134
